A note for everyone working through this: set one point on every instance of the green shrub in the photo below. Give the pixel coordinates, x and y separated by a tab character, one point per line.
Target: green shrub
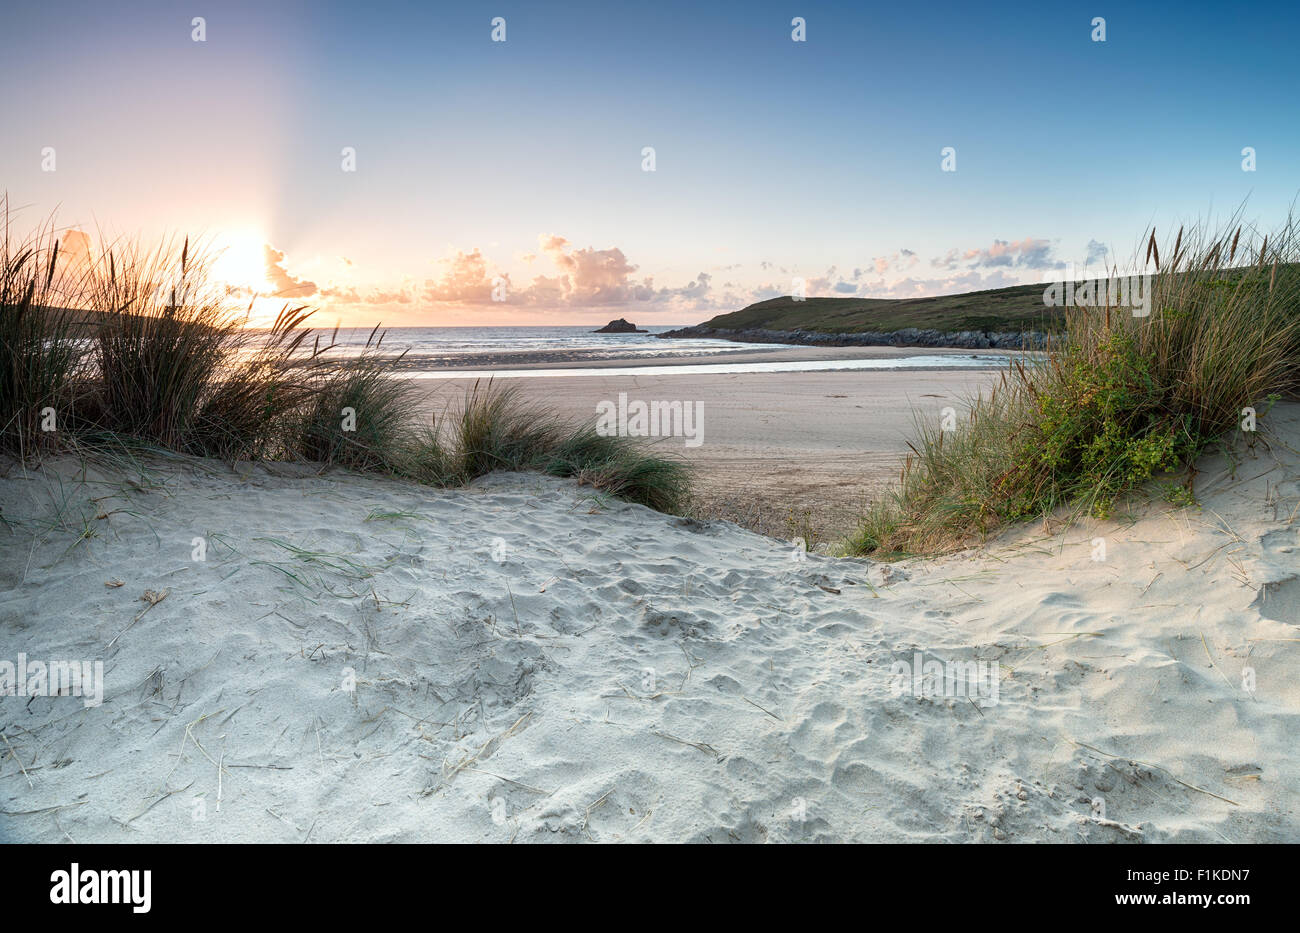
622	468
1098	426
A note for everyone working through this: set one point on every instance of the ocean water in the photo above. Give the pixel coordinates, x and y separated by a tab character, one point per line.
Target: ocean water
457	342
453	352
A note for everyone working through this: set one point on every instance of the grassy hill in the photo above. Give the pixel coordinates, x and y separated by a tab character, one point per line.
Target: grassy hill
1015	309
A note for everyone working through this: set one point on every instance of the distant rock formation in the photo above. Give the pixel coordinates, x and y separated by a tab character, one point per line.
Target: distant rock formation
620	327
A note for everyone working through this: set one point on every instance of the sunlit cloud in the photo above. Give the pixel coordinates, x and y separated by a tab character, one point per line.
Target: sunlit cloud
467	279
281	281
1028	253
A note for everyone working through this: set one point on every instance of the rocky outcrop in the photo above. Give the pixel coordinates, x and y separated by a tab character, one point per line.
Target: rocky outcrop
620	327
909	337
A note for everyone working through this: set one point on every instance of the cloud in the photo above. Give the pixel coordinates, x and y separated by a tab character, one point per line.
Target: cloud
587	277
580	278
903	259
696	289
467	279
374	296
863	284
969	281
1096	253
282	283
1028	253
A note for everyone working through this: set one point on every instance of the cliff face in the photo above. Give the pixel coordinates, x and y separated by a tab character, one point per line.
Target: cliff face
908	337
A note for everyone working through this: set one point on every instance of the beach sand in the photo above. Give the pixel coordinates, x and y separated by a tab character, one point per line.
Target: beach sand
783	454
360	659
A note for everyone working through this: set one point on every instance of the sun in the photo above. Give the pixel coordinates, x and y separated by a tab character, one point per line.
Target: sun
241	260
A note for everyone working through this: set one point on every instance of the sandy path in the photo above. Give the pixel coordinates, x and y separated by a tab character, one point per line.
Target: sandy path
783	453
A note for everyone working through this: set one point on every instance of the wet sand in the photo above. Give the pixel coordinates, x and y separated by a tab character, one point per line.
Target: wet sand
673	355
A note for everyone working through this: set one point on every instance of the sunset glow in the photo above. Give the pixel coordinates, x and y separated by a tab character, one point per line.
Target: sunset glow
409	167
239	261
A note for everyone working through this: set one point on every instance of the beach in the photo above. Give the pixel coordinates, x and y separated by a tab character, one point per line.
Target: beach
287	651
781	453
787	454
395	448
291	655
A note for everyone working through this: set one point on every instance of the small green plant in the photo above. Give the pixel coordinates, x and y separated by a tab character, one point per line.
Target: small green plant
802	527
495	430
1098	427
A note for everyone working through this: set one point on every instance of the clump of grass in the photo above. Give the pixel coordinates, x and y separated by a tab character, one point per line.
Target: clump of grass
40	363
495	430
252	405
425	457
1124	400
946	491
620	467
355	413
163	332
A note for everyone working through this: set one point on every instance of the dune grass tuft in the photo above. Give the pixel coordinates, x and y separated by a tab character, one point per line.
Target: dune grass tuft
1124	400
252	403
41	367
162	332
621	468
354	413
495	430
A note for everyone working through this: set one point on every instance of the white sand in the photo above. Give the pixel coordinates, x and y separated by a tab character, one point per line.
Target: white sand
622	675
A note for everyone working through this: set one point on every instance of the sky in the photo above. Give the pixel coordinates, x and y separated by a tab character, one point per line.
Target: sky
392	162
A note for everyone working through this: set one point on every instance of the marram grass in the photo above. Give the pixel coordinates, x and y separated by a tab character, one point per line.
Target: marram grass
1122	404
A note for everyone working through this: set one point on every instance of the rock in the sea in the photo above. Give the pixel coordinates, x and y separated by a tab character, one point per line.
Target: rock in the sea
620	327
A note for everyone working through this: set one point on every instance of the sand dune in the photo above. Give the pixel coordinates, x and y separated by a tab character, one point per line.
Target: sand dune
530	662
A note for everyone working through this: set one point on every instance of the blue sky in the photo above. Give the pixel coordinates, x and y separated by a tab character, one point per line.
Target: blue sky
521	161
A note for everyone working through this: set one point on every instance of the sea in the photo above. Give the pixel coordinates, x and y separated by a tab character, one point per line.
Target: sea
453	352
